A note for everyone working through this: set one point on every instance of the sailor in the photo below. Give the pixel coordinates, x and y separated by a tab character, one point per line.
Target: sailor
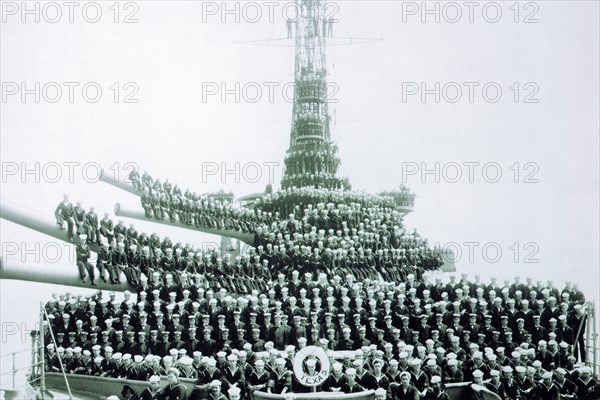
65	212
186	368
547	389
377	379
585	384
52	362
566	387
83	264
436	392
232	374
404	391
420	379
280	382
174	390
106	228
476	393
119	262
210	374
153	391
215	391
494	385
259	378
234	393
137	371
350	386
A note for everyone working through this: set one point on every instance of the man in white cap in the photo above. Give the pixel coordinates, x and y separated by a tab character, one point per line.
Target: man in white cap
258	379
566	388
494	385
585	384
234	393
209	374
137	370
52	361
232	374
351	386
174	390
405	390
436	391
336	380
152	392
547	390
186	369
215	391
475	390
280	382
83	264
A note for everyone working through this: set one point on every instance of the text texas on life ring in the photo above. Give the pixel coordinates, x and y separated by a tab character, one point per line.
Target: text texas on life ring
320	376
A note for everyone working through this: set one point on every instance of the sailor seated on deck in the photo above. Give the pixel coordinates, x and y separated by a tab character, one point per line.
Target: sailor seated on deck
351	386
174	390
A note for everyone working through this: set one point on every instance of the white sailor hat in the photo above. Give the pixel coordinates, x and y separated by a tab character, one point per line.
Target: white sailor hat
154	378
186	361
477	374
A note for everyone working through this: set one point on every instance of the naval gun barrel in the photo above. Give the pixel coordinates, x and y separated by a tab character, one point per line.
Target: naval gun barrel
128	187
23	218
123	211
57	274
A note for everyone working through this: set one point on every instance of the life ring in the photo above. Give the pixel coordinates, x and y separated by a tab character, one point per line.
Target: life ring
321	375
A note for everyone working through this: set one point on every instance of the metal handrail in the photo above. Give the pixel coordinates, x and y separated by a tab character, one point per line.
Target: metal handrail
19	369
13	353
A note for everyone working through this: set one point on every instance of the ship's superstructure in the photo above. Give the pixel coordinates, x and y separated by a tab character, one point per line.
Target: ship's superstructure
312	158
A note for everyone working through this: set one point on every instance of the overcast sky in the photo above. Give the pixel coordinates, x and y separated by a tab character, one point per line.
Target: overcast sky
543	125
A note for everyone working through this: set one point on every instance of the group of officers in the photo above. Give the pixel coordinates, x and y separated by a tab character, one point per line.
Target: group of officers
409	339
